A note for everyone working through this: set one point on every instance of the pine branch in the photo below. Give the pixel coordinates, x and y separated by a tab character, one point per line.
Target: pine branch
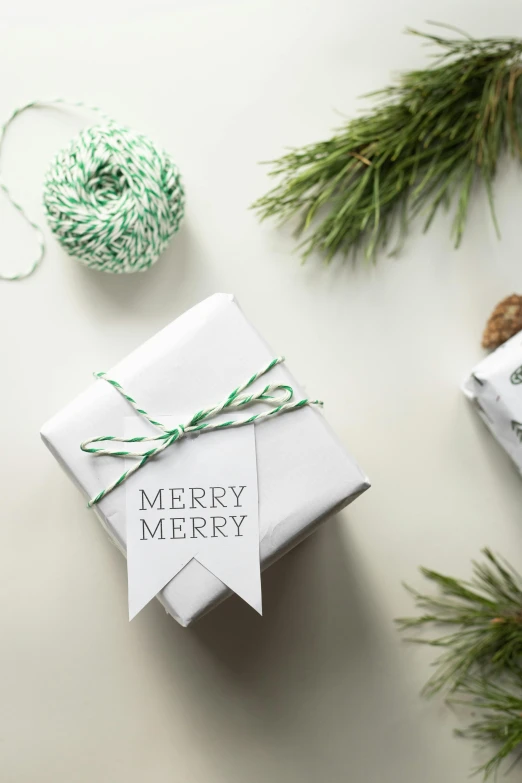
425	144
500	721
485	618
481	663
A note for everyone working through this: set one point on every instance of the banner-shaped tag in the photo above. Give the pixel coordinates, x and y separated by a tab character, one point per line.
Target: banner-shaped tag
198	499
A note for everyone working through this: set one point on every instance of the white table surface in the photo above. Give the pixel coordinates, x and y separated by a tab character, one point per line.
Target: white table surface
321	688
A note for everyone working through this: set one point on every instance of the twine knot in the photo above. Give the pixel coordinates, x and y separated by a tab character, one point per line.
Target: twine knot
279	398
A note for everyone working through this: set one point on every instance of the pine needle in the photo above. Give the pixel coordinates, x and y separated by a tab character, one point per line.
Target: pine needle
429	139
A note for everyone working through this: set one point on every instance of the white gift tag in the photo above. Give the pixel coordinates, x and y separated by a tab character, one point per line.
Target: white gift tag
197	499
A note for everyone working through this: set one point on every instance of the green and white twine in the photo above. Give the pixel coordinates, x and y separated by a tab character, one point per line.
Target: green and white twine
277	395
112	198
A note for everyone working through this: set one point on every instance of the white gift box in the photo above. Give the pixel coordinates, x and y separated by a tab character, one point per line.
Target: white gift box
495	389
304	474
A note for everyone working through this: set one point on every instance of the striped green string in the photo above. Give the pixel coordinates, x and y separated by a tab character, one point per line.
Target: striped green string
278	396
112	198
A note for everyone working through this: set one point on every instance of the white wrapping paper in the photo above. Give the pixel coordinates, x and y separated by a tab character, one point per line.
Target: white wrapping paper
304	474
495	388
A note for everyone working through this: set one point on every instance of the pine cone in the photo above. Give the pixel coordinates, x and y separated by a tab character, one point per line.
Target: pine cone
504	322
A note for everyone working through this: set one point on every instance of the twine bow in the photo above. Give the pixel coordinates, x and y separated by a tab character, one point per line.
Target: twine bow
277	395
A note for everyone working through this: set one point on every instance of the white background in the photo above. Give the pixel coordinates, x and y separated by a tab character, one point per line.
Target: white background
321	687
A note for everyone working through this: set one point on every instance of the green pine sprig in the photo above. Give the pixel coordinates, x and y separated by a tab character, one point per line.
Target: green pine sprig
485	618
429	139
481	660
499	721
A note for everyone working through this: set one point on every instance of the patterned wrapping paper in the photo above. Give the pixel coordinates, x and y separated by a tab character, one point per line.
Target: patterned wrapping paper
495	389
304	474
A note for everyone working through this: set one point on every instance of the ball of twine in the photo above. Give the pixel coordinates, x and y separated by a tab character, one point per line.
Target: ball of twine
112	199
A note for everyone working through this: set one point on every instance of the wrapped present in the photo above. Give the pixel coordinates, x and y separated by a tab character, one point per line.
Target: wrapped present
495	389
193	483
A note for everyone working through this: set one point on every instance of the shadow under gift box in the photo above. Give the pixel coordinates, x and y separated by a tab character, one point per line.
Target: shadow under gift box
304	474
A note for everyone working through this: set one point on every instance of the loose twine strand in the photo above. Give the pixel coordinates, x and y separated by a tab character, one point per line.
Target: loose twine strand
111	197
278	396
